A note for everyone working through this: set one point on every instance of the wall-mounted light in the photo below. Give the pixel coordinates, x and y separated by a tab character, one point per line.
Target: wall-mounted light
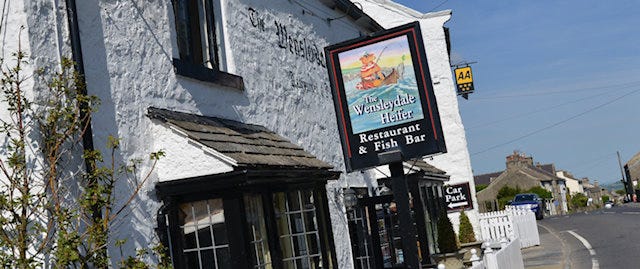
383	190
350	198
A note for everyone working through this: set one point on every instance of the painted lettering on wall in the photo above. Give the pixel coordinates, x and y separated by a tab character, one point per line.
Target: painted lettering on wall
300	46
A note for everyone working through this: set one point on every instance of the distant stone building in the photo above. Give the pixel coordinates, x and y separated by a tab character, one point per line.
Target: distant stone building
572	183
522	173
593	191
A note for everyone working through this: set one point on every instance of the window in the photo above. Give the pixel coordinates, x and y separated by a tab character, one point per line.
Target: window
282	229
196	32
204	235
259	251
298	230
199	42
359	231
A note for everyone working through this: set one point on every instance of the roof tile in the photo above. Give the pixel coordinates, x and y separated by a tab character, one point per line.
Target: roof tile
247	144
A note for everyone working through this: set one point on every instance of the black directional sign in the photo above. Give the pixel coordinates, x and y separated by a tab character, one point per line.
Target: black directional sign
458	197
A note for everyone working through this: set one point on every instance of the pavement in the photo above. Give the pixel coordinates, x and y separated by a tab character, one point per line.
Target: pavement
550	254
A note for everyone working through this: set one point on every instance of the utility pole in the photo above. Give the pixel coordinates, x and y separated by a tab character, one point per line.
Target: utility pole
627	182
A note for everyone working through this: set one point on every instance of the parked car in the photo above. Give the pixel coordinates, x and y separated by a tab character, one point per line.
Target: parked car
608	204
530	200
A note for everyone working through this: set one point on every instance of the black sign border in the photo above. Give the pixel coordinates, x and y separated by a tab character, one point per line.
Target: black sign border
459	89
469	205
431	117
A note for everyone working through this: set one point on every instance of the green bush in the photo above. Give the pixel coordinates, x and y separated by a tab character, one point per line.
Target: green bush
466	234
446	236
579	200
506	194
480	187
542	192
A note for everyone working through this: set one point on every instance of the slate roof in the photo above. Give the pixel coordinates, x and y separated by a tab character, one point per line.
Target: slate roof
421	165
249	145
353	11
549	168
485	179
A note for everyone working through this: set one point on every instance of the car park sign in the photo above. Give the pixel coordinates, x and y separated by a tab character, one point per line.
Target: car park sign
458	197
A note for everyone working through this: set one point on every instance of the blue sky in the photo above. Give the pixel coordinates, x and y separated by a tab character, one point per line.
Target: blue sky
557	80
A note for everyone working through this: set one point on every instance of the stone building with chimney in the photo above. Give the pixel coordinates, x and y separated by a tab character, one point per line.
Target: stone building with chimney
521	172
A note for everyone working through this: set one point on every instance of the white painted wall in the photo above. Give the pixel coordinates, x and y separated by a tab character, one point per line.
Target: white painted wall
195	159
14	37
128	48
572	183
456	162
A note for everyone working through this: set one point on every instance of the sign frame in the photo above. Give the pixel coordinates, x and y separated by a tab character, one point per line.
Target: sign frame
455	206
415	135
464	80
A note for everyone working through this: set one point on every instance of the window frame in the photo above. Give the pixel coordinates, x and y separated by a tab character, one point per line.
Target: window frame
191	44
233	202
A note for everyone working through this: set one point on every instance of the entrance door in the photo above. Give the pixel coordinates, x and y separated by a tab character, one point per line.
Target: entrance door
384	233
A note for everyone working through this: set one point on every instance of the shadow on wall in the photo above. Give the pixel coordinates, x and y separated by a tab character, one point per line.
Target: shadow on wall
126	92
104	122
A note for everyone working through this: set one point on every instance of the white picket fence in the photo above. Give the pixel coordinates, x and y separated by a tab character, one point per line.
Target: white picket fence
508	256
507	231
525	226
513	222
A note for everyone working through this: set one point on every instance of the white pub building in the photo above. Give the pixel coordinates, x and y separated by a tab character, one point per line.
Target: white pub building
236	93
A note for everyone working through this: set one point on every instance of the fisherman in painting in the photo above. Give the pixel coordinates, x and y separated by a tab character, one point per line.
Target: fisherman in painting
371	74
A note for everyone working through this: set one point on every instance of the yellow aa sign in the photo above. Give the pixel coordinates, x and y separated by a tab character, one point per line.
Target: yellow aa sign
463	75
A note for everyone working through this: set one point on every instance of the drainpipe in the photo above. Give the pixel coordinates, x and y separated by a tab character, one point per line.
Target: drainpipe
76	51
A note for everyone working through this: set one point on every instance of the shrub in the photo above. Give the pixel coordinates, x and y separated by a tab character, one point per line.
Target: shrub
542	192
579	200
480	187
446	236
466	234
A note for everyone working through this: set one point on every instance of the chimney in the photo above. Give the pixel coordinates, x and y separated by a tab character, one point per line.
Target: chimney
518	159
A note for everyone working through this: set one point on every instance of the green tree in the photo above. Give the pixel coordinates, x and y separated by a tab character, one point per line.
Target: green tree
47	206
466	234
506	194
605	198
446	236
579	200
542	192
621	192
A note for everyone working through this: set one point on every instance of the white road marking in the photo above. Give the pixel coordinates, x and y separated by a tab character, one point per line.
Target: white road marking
594	261
631	213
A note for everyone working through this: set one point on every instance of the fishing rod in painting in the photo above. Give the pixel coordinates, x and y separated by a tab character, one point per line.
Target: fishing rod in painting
380	54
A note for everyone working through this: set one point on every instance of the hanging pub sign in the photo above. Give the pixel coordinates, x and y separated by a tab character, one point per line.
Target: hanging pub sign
458	197
383	97
464	80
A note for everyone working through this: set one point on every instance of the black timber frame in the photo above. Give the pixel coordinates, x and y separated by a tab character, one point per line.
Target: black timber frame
230	187
413	184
